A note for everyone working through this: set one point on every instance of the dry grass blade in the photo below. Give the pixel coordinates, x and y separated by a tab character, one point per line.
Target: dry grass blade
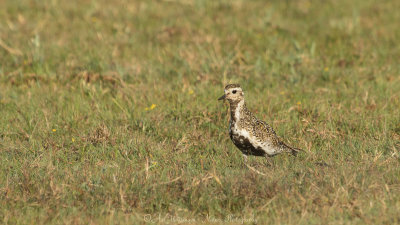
255	170
10	50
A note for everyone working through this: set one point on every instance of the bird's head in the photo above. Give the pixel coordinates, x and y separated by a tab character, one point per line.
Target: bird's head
233	93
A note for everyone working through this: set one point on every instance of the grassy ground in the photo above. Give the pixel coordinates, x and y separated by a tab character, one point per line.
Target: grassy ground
109	112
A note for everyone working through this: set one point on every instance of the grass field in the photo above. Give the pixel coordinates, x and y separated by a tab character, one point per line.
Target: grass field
109	111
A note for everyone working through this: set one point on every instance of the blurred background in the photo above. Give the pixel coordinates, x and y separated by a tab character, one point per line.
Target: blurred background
202	42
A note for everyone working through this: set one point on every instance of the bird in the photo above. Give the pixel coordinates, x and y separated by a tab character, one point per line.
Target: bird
249	134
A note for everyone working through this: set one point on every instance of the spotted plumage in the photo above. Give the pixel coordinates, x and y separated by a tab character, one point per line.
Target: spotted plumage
250	135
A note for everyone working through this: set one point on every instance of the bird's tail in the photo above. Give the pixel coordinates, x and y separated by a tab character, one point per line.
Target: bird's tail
289	149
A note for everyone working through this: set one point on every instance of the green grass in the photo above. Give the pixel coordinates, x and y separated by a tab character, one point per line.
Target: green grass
78	146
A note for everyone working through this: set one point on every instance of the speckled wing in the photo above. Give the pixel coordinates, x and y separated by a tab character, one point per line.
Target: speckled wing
265	133
271	141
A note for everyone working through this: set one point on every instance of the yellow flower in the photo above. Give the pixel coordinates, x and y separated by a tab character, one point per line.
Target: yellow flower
326	69
282	92
73	139
54	130
190	91
151	107
298	103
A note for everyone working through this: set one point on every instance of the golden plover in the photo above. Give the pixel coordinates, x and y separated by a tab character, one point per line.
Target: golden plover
250	135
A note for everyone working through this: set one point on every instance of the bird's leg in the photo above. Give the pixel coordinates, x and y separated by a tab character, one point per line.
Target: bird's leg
245	159
269	160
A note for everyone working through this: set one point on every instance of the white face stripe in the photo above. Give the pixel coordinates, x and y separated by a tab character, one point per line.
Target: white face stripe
237	111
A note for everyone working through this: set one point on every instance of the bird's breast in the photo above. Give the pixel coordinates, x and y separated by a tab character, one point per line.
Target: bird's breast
239	136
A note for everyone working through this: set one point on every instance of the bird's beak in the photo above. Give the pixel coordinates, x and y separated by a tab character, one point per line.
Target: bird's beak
222	97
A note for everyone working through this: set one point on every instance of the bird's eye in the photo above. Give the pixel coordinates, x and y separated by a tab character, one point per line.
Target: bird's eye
234	92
